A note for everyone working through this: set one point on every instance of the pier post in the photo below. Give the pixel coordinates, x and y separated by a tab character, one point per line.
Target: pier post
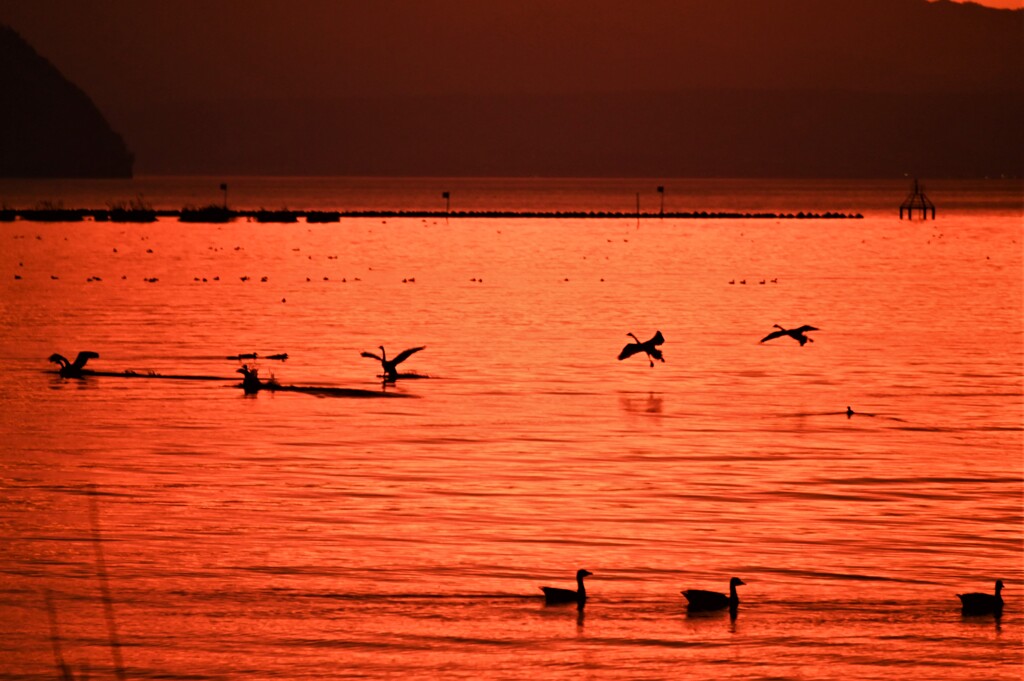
917	200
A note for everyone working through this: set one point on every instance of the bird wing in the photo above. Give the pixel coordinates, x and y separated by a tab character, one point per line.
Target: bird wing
658	339
405	354
805	328
630	350
370	355
59	359
84	356
773	334
655	353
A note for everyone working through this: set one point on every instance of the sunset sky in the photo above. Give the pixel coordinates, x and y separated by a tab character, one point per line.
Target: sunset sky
1002	4
328	87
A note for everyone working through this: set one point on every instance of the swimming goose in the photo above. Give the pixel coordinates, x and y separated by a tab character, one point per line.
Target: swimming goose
700	600
391	366
554	595
795	334
653	353
72	369
983	604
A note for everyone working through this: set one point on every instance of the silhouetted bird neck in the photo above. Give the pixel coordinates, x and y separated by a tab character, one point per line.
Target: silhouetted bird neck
554	595
581	589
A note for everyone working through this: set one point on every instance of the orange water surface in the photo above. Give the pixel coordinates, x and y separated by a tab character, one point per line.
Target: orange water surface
290	535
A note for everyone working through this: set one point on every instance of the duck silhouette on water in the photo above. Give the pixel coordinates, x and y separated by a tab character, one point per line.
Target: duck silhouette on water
699	600
555	596
798	334
982	604
390	366
649	347
73	369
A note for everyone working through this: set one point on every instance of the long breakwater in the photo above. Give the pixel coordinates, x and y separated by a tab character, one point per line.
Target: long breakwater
217	214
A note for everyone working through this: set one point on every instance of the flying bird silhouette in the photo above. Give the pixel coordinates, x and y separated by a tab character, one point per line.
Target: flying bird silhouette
648	346
795	334
554	595
983	604
72	369
391	366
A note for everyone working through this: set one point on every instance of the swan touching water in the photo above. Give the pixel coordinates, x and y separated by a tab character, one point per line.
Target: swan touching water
251	383
649	347
554	595
390	366
73	369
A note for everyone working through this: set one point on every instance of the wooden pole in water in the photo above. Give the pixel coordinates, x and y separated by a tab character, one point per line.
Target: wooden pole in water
661	190
108	602
638	210
224	188
63	670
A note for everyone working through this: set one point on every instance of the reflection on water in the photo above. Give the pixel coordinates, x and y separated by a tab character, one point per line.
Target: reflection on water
315	538
651	404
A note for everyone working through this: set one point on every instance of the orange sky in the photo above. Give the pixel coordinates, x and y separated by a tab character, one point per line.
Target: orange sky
1002	4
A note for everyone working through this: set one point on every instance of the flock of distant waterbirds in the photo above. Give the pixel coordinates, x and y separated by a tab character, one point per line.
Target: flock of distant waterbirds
698	600
252	383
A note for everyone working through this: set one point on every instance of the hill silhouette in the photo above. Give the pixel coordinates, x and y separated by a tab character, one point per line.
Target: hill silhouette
840	88
49	127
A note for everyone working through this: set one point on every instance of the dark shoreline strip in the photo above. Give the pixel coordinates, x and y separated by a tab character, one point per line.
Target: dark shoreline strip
217	215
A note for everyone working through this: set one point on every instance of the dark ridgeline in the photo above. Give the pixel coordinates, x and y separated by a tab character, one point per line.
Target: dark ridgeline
664	88
48	126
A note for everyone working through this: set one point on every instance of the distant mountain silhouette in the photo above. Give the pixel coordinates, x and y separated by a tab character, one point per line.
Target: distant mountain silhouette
49	127
659	88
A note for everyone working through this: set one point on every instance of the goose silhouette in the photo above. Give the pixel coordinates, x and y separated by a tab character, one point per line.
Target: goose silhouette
391	366
704	601
554	595
982	604
795	334
73	369
648	346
